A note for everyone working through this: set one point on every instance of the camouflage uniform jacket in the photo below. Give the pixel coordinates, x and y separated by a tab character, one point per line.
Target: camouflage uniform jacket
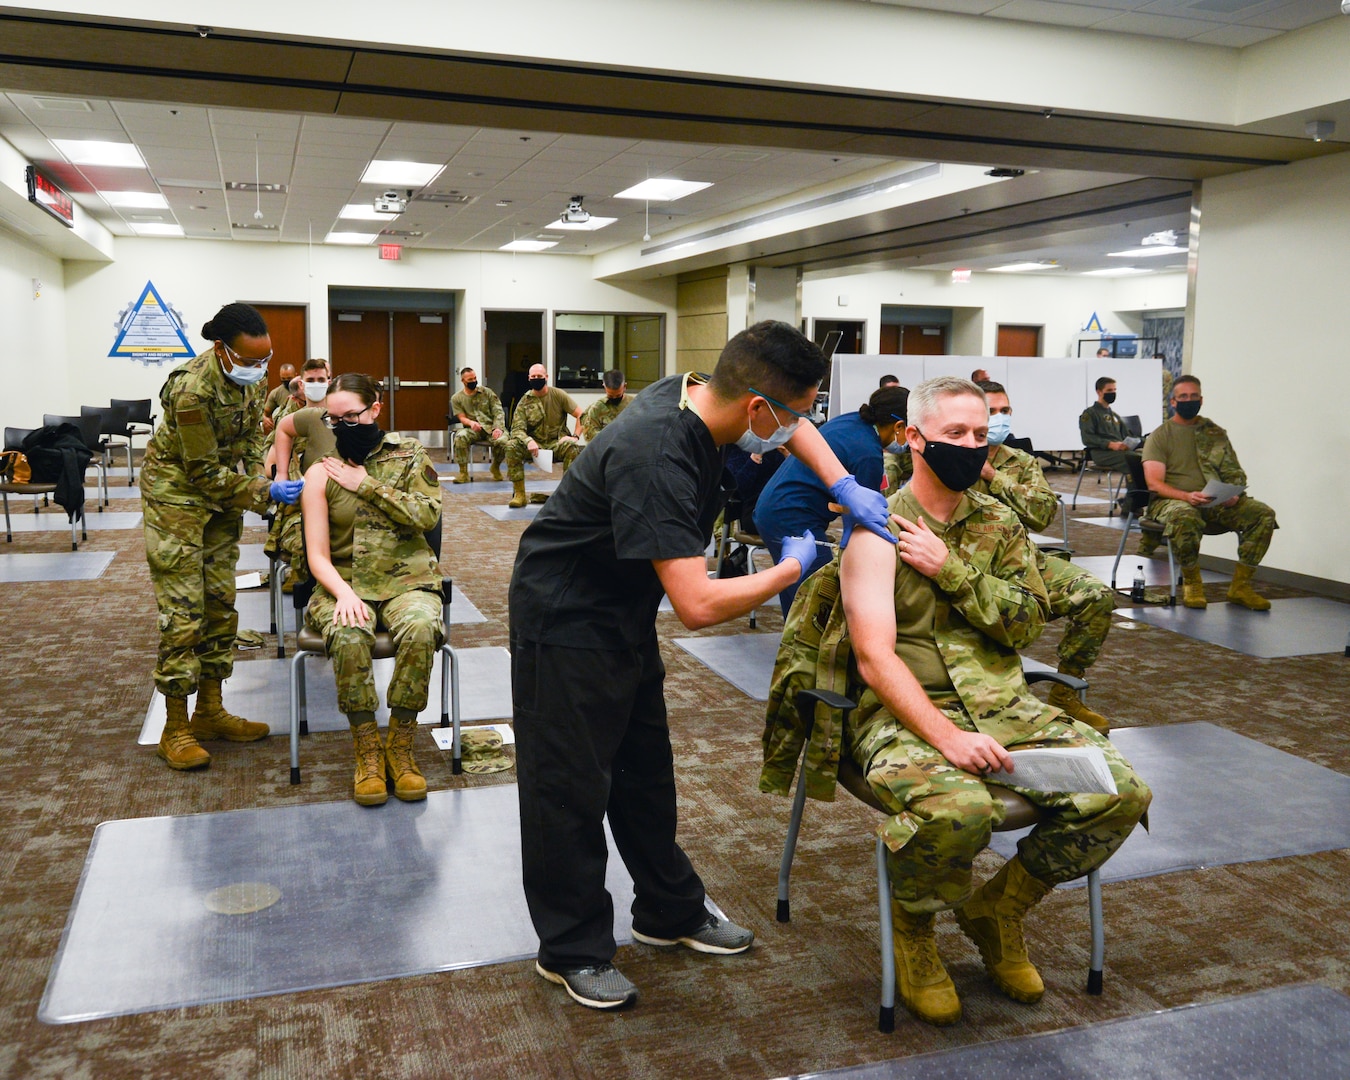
1100	425
483	406
1020	484
531	419
990	602
601	413
1218	460
400	499
210	426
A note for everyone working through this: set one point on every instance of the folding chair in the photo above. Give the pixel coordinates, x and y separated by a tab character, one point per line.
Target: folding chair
140	421
89	432
14	438
1145	525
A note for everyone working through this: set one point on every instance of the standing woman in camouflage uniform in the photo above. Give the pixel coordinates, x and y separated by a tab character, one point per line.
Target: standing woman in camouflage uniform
194	497
365	513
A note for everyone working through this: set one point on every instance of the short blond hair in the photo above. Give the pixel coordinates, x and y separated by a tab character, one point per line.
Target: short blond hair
924	398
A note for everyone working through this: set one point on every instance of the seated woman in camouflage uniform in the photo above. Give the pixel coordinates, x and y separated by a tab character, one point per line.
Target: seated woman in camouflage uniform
365	513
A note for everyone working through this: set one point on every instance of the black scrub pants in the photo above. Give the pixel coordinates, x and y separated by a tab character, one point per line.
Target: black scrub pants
591	740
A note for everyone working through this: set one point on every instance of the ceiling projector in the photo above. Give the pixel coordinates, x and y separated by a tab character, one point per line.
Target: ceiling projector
574	214
390	203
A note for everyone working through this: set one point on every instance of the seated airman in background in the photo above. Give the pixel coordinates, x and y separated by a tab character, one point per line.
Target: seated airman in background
479	409
540	423
596	418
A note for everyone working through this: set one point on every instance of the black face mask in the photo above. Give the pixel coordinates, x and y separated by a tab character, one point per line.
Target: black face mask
613	400
356	441
538	384
1109	397
956	467
1188	410
471	385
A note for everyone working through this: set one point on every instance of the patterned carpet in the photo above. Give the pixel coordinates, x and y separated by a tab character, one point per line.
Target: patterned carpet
75	683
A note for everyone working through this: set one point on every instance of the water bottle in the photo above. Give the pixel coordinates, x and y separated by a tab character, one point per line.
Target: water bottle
1137	589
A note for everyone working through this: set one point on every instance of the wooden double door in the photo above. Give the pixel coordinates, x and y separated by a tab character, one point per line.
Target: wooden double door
409	351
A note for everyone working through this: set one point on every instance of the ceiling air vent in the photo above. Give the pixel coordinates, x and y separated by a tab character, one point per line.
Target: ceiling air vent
1005	174
249	185
254	226
445	198
406	234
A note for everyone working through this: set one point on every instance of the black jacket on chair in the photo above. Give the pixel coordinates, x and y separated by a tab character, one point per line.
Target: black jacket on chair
58	455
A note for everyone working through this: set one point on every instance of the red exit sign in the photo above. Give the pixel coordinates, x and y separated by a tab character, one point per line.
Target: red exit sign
391	251
46	194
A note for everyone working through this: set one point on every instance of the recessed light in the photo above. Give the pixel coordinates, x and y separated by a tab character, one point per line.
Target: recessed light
1146	252
528	245
1023	267
661	190
156	230
136	200
1118	271
349	238
401	173
98	152
582	226
363	212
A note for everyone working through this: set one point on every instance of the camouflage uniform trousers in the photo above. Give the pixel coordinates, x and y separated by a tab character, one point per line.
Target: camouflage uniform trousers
1252	520
944	816
1086	602
413	619
193	552
518	452
466	437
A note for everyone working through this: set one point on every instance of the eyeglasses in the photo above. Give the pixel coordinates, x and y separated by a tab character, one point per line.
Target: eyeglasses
771	401
350	420
246	361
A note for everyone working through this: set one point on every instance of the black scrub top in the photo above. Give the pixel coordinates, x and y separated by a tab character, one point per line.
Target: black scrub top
647	487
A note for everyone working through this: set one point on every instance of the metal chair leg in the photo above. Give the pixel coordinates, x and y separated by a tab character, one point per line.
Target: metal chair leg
886	1012
1094	885
784	913
296	695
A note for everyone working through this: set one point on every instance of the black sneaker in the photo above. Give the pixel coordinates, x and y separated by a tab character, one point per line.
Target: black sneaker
598	986
721	936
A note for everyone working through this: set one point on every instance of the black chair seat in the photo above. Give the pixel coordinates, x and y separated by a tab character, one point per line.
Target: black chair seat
311	641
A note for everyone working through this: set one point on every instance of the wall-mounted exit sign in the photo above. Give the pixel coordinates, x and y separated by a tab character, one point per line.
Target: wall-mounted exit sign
391	251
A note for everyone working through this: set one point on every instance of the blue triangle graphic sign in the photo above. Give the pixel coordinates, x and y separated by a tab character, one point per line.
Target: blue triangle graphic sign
1094	323
151	331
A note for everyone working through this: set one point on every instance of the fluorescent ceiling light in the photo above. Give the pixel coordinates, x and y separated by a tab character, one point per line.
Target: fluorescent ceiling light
363	212
96	152
350	238
528	245
400	173
1146	252
136	200
662	190
582	226
160	229
1023	267
1118	271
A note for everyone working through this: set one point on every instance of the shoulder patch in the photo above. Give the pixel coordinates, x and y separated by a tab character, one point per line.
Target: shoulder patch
190	416
429	472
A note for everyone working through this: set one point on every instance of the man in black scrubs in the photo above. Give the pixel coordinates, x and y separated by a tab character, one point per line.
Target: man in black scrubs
630	520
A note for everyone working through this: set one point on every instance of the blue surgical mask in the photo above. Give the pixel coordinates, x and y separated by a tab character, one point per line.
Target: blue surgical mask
1000	426
245	376
754	444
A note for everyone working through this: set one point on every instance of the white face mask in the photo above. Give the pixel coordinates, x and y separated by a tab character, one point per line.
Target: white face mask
245	376
755	444
316	391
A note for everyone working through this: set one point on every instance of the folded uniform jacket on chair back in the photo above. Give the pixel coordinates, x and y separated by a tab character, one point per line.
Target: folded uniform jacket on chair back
57	454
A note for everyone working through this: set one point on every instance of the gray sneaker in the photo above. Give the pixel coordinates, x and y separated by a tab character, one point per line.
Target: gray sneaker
721	936
599	986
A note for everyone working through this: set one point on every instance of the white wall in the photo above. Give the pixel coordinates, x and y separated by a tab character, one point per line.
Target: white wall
1271	352
197	277
1061	305
33	361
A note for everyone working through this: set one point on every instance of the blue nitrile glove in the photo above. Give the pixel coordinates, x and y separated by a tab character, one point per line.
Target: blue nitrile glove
801	548
862	506
286	491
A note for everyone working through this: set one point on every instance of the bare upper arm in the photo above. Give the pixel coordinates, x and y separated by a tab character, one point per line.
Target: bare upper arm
685	581
867	585
1155	472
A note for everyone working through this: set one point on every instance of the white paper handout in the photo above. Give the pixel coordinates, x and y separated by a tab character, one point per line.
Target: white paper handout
543	460
1221	492
1074	769
251	580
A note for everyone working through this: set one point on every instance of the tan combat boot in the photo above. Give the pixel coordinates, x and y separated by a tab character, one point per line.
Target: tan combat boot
1064	699
211	721
369	788
497	471
518	495
992	918
463	477
922	982
1240	591
177	747
1192	588
400	765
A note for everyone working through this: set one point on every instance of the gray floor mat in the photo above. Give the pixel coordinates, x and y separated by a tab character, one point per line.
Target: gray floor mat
55	566
744	660
1300	626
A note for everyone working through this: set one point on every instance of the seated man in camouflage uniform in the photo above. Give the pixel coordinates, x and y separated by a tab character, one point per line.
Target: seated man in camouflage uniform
1180	457
926	643
540	423
479	409
1015	479
602	412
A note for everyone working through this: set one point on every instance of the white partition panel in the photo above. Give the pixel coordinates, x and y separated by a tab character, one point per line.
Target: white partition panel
962	366
1047	395
1138	387
853	378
